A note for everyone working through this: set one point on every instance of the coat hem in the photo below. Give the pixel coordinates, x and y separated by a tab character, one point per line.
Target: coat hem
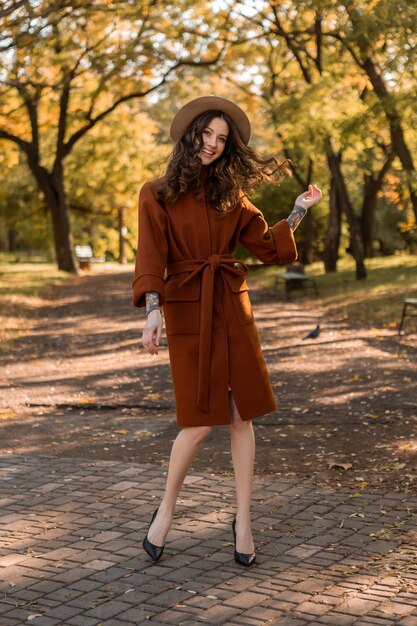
209	421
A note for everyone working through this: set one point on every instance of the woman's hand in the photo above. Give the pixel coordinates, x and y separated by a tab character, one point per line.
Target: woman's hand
152	331
309	198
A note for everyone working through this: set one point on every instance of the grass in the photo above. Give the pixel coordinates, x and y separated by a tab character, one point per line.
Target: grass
376	301
20	287
27	279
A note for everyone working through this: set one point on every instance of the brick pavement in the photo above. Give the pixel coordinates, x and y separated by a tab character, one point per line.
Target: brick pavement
71	533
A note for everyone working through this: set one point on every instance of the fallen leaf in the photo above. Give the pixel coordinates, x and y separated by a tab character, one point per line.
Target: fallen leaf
6	414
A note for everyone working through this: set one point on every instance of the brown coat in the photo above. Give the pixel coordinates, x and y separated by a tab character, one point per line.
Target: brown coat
185	253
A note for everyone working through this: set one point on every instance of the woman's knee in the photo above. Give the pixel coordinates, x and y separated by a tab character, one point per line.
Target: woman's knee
239	425
199	433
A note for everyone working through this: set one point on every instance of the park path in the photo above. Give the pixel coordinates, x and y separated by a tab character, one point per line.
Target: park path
87	419
79	384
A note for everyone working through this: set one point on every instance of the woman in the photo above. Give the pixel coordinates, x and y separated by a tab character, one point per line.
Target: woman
190	222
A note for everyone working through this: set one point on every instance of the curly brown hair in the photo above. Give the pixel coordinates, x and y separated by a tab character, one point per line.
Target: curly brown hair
238	171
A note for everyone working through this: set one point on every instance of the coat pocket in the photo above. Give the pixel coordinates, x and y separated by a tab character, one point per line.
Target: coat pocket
240	297
182	306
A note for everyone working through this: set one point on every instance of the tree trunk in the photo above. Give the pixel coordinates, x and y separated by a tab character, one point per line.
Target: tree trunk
305	248
370	191
122	235
372	185
11	238
332	240
63	240
334	161
401	148
52	186
396	130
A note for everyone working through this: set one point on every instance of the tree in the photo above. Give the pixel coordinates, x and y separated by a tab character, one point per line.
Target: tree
64	69
297	76
105	171
381	39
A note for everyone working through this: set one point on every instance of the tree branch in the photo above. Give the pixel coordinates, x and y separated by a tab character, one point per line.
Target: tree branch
344	43
288	40
12	8
139	94
25	145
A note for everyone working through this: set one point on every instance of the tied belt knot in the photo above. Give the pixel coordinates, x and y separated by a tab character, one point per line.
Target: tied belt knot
214	261
207	268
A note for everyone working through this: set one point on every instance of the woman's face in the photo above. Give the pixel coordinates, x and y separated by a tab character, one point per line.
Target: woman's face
214	140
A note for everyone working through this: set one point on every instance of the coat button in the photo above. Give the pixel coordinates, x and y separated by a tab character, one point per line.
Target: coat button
238	266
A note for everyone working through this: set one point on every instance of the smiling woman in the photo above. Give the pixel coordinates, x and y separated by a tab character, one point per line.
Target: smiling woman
214	140
190	222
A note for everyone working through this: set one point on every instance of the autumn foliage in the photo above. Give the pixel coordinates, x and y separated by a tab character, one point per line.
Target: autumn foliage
87	92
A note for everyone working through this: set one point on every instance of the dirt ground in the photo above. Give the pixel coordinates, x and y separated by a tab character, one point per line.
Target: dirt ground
76	383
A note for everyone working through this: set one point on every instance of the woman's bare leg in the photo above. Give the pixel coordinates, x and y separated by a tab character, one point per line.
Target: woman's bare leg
243	456
183	451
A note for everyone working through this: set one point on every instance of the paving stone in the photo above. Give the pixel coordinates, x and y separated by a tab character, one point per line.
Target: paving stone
63	612
82	620
337	619
287	620
408	621
246	599
89	568
261	613
218	614
393	609
312	608
292	596
108	609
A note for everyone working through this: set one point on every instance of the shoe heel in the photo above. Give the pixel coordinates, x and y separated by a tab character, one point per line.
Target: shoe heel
155	552
240	557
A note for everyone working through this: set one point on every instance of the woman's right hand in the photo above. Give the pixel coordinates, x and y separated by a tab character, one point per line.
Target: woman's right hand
152	331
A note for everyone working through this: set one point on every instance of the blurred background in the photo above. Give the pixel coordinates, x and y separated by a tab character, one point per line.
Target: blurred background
88	90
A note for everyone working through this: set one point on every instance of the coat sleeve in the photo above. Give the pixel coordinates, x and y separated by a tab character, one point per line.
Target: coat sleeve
269	245
152	250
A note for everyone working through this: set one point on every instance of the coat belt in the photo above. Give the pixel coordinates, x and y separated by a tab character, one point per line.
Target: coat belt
207	268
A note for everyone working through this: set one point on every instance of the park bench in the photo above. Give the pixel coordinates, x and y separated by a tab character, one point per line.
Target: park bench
409	303
84	256
294	278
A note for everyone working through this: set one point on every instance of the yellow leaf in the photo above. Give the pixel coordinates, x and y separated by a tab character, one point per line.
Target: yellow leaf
152	396
7	414
122	431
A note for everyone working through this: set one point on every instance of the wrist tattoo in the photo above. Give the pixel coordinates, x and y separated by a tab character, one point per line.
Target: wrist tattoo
296	216
152	301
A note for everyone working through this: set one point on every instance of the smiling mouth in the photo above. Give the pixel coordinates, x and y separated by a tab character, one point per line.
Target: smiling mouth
207	153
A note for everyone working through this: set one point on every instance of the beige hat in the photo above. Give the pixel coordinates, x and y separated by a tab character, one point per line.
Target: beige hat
194	108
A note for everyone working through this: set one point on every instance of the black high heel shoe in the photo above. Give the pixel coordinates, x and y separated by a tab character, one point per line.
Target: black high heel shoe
155	552
240	557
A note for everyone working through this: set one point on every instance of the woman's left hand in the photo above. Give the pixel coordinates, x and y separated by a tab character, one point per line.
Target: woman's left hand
309	198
